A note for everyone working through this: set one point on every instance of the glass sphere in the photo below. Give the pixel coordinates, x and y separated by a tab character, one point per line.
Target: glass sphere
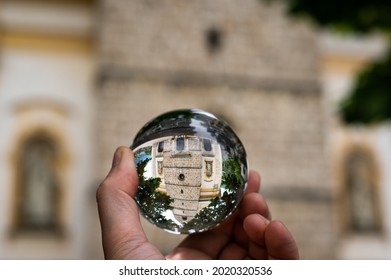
192	170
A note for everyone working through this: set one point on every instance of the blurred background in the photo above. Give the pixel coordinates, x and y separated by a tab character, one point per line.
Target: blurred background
305	86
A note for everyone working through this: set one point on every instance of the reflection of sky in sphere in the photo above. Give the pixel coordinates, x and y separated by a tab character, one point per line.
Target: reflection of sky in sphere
142	156
170	216
201	128
148	169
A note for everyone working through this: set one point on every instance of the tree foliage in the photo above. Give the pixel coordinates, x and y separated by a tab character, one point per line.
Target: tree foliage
232	177
357	16
370	99
152	203
219	208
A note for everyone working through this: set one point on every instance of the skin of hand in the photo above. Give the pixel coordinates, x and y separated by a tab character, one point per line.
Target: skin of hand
249	233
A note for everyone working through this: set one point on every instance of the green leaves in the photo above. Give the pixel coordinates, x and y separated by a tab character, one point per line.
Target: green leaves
232	178
370	99
356	16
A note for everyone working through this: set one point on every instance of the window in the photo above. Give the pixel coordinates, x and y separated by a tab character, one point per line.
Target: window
37	207
362	195
214	40
180	144
208	168
207	145
160	167
160	147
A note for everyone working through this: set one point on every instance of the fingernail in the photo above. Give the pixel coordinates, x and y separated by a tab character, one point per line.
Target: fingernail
117	157
263	219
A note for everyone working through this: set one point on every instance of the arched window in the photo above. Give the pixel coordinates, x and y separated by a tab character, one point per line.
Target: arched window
37	207
362	194
160	147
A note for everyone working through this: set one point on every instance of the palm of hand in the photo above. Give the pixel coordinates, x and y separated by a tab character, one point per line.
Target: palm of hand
247	234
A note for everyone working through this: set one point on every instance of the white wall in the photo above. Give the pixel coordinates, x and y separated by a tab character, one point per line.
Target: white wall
348	55
52	90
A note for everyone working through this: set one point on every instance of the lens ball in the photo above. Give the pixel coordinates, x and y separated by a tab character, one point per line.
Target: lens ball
192	170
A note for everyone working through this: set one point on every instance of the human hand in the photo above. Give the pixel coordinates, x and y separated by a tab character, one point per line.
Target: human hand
247	234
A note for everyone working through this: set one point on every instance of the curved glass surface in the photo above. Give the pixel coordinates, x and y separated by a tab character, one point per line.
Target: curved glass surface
192	171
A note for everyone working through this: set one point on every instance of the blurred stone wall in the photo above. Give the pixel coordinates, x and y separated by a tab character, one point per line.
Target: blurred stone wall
242	60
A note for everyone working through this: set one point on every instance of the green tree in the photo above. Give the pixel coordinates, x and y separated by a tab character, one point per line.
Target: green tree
217	210
370	99
232	177
153	204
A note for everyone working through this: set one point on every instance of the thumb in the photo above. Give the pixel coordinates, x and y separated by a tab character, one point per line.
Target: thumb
122	233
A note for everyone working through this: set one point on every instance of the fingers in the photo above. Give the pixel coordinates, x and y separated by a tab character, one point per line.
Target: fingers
254	182
204	245
265	238
210	244
253	202
270	240
255	226
280	243
123	175
122	234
